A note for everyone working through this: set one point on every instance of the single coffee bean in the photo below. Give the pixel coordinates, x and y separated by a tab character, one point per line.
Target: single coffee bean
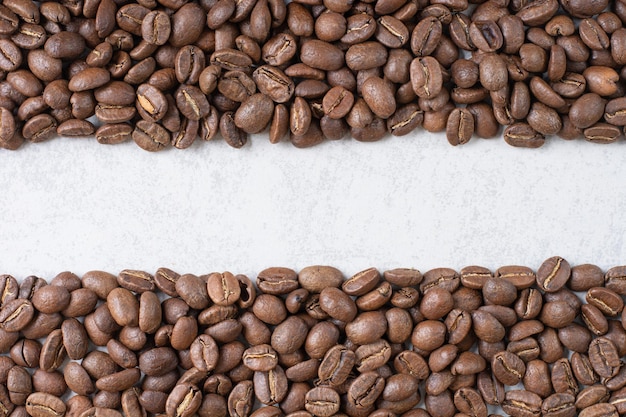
156	27
223	289
426	77
39	404
234	136
607	301
508	368
113	133
491	389
39	128
460	126
602	133
469	401
16	314
255	113
559	404
193	290
518	403
270	387
150	136
604	357
322	401
601	409
89	79
379	97
151	103
183	401
241	399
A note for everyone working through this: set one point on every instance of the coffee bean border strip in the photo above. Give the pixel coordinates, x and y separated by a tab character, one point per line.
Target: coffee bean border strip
166	73
397	343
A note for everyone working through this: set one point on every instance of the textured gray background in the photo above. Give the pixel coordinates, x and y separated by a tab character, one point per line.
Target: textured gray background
72	204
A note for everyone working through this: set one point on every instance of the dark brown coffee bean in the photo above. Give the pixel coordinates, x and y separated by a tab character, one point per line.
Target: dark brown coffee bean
379	97
360	27
460	127
469	401
10	56
289	336
241	399
39	128
520	403
508	368
604	357
270	387
279	49
186	24
336	365
426	36
321	55
559	404
260	358
16	314
277	280
372	356
39	404
113	133
150	136
607	301
234	136
220	13
119	381
491	389
223	289
255	113
426	77
601	409
183	401
189	63
156	27
522	135
273	82
89	79
151	103
602	133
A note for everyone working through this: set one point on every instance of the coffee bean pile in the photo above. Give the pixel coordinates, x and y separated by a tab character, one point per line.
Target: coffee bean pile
400	343
167	72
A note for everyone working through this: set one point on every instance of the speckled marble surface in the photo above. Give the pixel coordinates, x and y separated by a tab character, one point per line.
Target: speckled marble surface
72	204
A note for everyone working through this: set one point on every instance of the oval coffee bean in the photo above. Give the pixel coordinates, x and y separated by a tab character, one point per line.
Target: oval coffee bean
379	97
255	113
39	404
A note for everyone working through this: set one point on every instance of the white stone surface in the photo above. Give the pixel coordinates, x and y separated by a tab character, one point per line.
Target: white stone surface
72	204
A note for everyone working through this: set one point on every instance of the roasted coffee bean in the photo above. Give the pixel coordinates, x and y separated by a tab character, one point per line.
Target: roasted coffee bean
16	314
460	127
426	77
234	136
604	357
270	387
183	401
379	97
151	103
150	136
518	403
322	401
40	404
602	409
508	368
607	301
255	113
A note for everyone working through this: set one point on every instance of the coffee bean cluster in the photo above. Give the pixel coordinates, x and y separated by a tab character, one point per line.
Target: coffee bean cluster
167	72
440	344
